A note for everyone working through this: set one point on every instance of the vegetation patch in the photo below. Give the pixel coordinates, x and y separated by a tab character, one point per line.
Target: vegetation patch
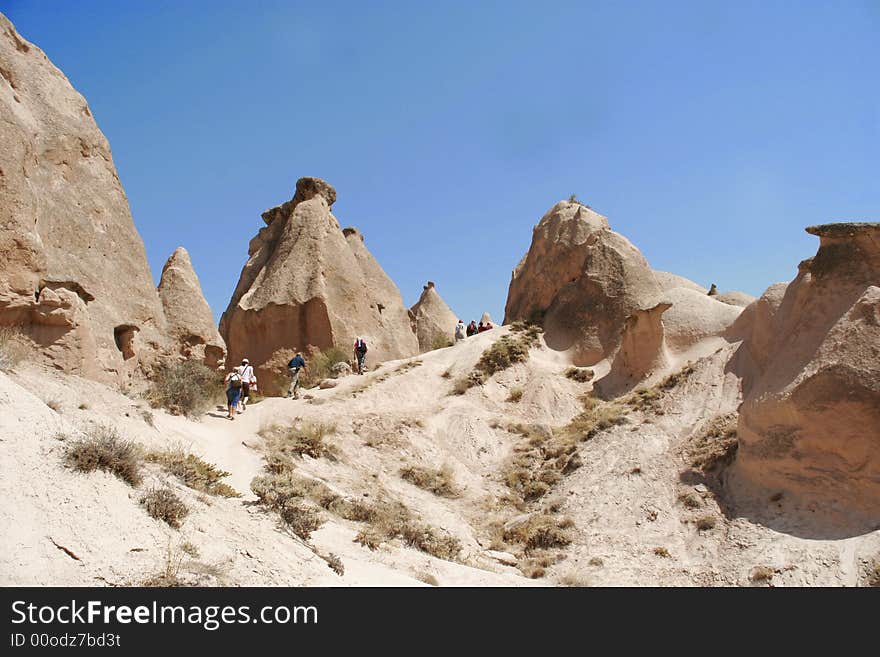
579	374
540	531
439	481
102	448
716	445
185	388
194	472
320	365
13	347
282	443
164	504
515	395
760	574
393	520
649	399
505	352
440	341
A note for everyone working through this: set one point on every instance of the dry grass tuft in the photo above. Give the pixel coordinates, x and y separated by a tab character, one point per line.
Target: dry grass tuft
515	395
440	341
187	388
303	437
705	523
54	404
102	448
761	574
13	348
439	481
662	552
540	531
194	472
716	447
393	520
320	365
579	374
164	504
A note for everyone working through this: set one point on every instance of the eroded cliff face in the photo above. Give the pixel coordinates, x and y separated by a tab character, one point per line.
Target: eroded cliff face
74	277
307	283
810	421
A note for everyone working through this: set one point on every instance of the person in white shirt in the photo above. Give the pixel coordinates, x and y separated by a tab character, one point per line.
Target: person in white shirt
248	381
460	330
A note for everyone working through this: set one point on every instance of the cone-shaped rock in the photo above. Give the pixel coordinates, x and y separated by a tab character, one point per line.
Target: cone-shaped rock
74	274
433	321
306	284
190	322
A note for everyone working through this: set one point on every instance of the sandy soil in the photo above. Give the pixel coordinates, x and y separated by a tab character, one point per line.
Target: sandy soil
630	527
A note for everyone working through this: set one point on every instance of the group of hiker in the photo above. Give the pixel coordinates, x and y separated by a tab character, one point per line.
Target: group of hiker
241	380
462	331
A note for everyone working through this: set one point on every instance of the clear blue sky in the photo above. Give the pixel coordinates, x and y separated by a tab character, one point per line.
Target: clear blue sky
709	132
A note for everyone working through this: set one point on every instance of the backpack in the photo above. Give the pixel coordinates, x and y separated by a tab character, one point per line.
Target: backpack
235	380
361	347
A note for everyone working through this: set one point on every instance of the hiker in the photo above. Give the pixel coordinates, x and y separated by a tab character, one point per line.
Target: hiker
481	327
248	382
488	326
459	331
471	329
233	391
360	353
296	363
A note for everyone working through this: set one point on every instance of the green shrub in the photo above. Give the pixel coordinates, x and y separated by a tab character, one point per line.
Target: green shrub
186	388
102	448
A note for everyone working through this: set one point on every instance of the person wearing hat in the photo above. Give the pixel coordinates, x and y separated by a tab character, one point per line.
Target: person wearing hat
248	381
460	331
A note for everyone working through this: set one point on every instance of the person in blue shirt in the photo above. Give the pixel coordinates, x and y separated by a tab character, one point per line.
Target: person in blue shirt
296	363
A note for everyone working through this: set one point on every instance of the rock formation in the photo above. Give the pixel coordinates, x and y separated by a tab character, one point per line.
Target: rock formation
74	275
582	280
307	283
432	320
642	352
810	421
190	321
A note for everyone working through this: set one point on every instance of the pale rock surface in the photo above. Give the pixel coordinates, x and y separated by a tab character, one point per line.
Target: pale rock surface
190	321
74	274
668	281
809	425
584	280
431	317
307	283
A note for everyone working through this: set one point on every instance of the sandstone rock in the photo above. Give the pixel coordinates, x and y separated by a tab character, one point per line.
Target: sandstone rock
327	383
642	351
432	318
505	558
735	298
695	316
308	283
74	274
668	281
341	369
189	318
584	280
809	422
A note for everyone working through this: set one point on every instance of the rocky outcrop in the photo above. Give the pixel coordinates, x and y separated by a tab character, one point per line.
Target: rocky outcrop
432	320
582	281
642	352
190	321
668	281
810	421
74	275
309	284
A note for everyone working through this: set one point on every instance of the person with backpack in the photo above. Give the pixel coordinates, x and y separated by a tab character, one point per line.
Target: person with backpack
294	366
471	329
233	391
459	331
248	382
360	353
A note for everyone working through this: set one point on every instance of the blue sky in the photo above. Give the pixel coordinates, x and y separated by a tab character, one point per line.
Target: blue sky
710	133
